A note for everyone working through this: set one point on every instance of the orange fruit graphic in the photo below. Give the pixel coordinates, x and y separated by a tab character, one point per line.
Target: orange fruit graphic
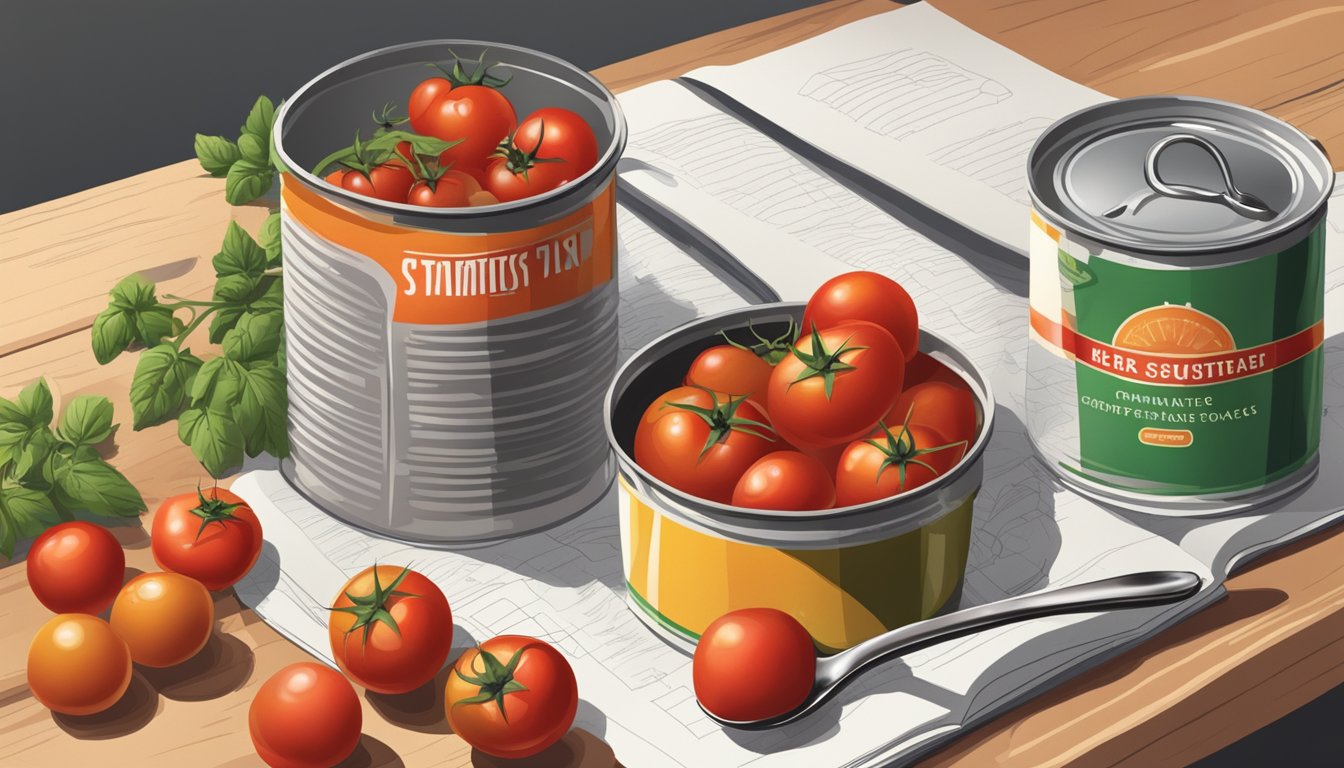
1174	329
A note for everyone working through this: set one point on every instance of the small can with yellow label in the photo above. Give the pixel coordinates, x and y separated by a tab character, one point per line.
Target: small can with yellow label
446	365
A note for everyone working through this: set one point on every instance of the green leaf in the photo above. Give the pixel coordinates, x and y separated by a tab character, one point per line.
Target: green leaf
87	420
244	294
163	377
7	537
214	438
12	435
255	149
269	239
133	292
33	451
133	314
153	324
216	154
24	512
113	331
35	403
261	408
239	254
247	180
217	385
85	482
260	119
255	338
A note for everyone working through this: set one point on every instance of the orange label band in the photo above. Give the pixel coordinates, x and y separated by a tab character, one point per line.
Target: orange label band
1166	438
1180	370
450	278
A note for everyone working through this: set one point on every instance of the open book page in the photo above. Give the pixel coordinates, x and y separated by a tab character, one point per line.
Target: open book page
918	100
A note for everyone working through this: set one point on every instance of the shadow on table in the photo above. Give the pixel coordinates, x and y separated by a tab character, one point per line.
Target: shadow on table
136	708
372	753
577	748
221	667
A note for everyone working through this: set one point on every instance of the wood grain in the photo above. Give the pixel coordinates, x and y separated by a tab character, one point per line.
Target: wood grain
1272	645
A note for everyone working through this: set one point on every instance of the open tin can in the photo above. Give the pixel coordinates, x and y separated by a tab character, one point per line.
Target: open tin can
846	574
446	365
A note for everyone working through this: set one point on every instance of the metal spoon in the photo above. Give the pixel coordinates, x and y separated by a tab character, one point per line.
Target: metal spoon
1131	591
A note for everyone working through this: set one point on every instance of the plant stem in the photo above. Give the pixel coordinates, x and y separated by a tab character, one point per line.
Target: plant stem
196	323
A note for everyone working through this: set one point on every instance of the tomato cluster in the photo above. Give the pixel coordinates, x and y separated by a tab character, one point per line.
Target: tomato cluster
847	412
490	157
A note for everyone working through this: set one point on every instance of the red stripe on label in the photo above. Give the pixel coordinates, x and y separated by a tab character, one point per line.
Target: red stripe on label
1179	370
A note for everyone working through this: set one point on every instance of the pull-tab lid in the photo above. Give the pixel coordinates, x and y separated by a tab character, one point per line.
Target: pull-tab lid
1178	175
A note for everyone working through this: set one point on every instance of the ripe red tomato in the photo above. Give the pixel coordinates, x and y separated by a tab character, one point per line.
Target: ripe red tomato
945	408
511	697
389	181
77	665
730	370
701	443
478	117
305	716
865	296
76	568
390	629
212	536
891	461
444	192
552	147
785	481
922	368
752	664
835	385
165	618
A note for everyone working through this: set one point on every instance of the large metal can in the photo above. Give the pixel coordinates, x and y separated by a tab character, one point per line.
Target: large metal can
446	366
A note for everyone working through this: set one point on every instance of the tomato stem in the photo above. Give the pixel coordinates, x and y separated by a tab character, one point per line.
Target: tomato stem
823	362
479	75
495	681
770	350
211	510
900	450
371	609
722	420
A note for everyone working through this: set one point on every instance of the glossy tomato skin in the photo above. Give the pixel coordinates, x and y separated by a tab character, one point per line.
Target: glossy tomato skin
945	408
807	417
305	716
77	665
866	296
786	481
447	192
860	477
76	568
393	660
536	717
218	554
165	618
752	664
480	116
389	181
669	443
731	370
561	139
424	96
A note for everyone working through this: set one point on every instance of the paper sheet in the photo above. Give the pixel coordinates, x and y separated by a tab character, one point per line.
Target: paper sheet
920	101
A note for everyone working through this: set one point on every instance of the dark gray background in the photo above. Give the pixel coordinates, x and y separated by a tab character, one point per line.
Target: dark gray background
92	91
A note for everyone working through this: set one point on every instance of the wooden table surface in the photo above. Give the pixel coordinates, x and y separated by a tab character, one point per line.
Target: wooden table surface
1274	643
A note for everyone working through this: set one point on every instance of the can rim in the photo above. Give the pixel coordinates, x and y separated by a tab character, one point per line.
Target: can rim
605	163
644	356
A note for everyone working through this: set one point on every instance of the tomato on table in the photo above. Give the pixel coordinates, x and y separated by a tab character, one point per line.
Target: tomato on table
700	442
947	409
213	537
76	568
892	461
511	697
732	370
307	715
786	481
390	629
165	618
77	665
866	296
835	385
551	148
753	664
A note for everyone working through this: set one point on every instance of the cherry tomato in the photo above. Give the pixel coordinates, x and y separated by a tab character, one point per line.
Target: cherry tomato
731	370
552	147
865	296
390	629
389	181
700	442
305	716
907	458
212	536
945	408
753	664
77	665
478	117
512	697
786	481
165	618
445	192
76	568
835	385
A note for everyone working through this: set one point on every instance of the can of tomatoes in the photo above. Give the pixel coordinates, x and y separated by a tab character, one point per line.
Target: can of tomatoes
1177	302
846	574
446	365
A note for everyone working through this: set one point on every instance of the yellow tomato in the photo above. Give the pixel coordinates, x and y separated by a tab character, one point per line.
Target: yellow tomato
77	665
165	618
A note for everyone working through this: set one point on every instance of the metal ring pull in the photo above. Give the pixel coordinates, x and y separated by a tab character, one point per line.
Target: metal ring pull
1244	203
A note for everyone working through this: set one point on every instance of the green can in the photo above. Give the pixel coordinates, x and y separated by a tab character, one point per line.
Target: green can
1177	304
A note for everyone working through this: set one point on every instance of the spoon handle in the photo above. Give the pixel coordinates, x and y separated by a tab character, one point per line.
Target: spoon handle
1129	591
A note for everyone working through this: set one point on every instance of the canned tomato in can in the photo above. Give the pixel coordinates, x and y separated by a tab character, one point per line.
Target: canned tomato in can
1177	301
846	574
446	365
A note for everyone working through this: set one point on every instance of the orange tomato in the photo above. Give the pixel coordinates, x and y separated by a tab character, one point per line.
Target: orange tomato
77	665
165	618
730	370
